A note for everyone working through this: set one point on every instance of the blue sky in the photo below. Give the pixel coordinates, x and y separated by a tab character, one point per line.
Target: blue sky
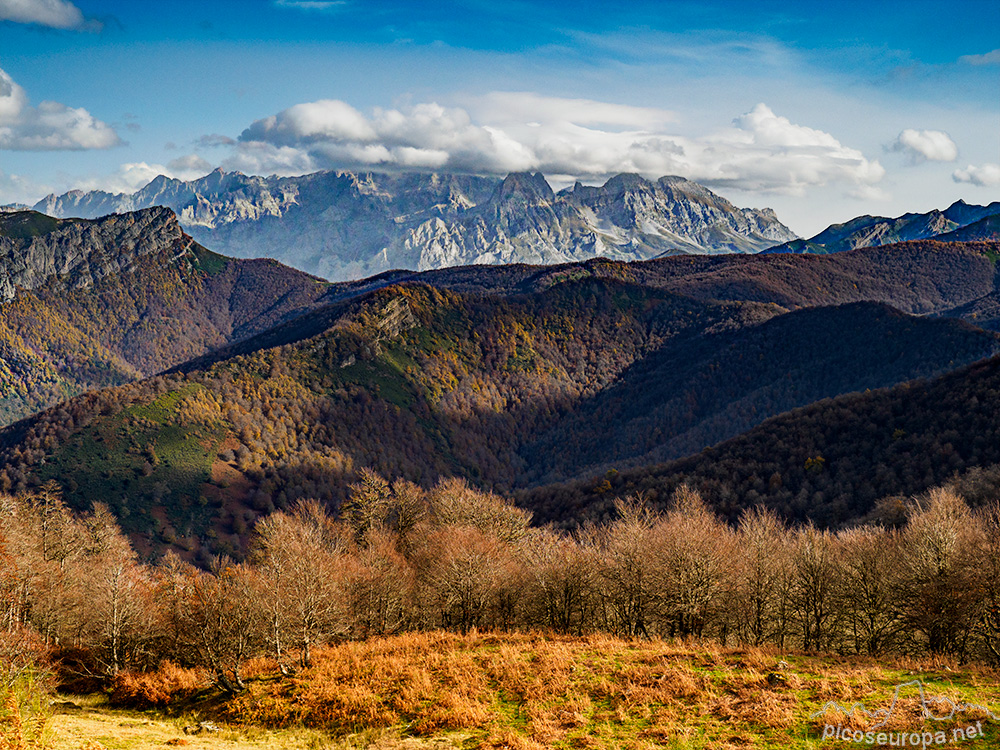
824	111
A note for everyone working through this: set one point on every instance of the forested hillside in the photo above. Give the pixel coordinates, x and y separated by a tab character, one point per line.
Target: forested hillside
566	372
698	391
915	277
93	304
829	462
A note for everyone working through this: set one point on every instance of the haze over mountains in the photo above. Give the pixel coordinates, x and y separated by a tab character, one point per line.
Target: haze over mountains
511	376
344	225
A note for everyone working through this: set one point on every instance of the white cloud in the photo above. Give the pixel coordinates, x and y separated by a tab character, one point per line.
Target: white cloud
136	175
50	126
56	14
988	175
769	153
321	6
989	58
518	106
515	131
14	188
257	157
325	120
190	164
925	145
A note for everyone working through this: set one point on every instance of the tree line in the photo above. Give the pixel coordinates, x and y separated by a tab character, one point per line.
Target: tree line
400	558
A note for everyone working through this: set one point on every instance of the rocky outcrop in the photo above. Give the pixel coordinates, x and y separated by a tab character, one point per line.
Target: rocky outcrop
80	252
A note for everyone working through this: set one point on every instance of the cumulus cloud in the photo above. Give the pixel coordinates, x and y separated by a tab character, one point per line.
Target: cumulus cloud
925	145
524	106
514	131
135	175
190	164
56	14
988	175
769	153
989	58
50	126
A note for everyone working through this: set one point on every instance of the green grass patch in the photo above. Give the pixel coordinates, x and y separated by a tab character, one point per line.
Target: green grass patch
23	225
140	460
207	261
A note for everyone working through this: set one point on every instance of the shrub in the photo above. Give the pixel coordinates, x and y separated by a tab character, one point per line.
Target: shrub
157	689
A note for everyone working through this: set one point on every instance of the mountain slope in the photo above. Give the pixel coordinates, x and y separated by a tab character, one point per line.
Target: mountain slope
344	225
88	304
558	372
830	461
698	392
872	231
987	228
924	277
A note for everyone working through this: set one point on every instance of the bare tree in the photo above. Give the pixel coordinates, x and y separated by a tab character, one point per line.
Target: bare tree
869	564
224	624
940	584
988	563
562	572
625	568
460	572
763	574
114	588
303	567
42	541
453	502
815	586
691	552
368	505
380	587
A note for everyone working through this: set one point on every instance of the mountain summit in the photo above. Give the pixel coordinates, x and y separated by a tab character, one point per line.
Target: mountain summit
345	225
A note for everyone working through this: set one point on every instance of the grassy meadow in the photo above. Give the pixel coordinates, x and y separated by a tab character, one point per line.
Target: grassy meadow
525	691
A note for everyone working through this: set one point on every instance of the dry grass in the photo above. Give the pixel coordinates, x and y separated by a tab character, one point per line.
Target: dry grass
166	685
533	691
94	725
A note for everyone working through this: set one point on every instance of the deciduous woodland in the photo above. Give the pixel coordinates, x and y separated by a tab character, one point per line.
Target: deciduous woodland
540	394
401	558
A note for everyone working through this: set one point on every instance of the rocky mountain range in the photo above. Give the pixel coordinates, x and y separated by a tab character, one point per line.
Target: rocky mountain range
346	225
959	222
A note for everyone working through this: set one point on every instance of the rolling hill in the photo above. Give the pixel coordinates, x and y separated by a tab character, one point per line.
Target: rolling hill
516	376
829	462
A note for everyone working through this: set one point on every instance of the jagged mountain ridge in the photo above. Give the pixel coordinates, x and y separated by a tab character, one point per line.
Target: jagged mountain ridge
345	225
873	231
